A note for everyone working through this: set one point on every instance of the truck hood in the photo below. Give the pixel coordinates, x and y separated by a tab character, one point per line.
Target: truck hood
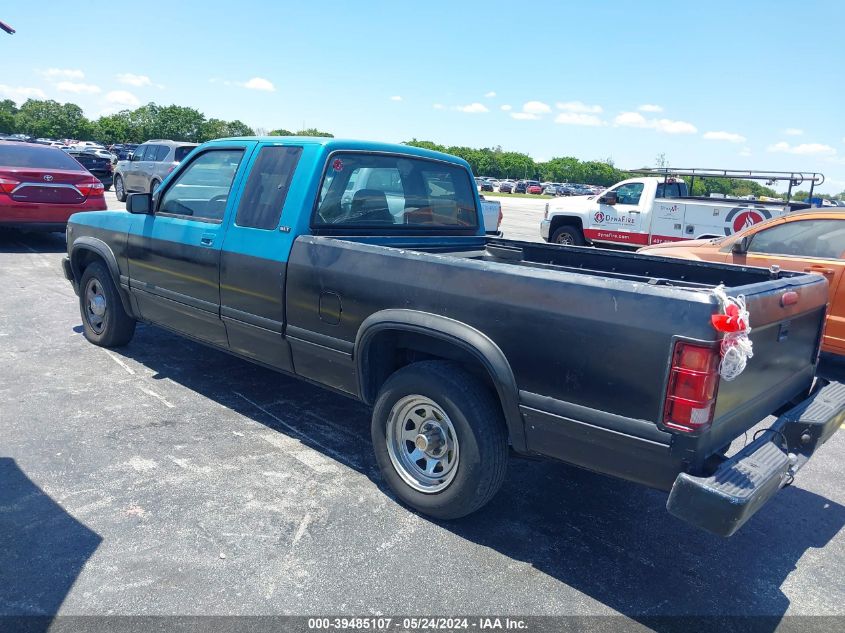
575	204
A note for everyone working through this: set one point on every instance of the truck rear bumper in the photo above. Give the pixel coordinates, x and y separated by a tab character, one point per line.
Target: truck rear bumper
724	501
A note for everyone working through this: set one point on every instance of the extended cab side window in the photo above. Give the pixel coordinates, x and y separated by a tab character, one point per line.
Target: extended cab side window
200	191
802	238
267	187
380	191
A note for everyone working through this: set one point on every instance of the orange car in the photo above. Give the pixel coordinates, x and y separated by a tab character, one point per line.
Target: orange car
811	241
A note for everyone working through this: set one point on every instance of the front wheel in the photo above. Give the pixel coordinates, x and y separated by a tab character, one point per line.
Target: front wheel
440	439
568	236
104	321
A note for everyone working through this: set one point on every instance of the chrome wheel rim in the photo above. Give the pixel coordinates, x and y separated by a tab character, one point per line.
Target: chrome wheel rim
118	187
422	444
565	238
95	305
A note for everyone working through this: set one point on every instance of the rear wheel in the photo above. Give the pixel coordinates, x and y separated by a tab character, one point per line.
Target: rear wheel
104	321
119	189
440	439
568	236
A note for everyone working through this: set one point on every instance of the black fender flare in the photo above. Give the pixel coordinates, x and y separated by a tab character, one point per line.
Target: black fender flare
464	336
104	251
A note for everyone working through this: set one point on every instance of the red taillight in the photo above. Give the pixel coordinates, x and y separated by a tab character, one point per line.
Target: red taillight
693	381
91	188
7	185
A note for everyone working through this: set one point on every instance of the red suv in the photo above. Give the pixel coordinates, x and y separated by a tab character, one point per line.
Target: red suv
41	187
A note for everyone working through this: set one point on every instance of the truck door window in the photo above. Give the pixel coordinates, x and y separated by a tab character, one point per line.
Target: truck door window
267	187
802	238
373	190
630	193
201	190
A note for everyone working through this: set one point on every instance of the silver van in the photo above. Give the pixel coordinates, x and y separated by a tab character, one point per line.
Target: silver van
149	165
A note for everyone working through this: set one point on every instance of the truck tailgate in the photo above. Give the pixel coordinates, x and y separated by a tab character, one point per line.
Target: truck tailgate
786	323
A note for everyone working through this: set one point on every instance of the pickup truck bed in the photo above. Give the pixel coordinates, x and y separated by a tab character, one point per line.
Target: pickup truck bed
561	317
375	279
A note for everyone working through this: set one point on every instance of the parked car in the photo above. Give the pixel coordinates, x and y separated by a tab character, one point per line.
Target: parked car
465	346
807	241
520	187
41	187
506	186
533	187
150	164
487	185
99	163
551	189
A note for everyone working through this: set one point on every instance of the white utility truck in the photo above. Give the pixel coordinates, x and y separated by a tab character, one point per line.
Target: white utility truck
657	208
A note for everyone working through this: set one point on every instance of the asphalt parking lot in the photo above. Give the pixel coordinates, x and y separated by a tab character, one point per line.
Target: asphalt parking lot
168	478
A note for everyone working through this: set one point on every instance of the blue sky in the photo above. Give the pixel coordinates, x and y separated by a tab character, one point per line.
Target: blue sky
743	85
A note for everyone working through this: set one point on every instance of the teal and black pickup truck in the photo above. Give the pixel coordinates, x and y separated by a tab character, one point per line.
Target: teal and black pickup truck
365	268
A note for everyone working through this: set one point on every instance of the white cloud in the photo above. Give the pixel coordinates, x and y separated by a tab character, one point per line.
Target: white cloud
507	108
804	149
578	118
472	108
650	107
524	116
578	106
396	98
139	81
490	94
630	119
439	106
52	74
730	137
793	131
19	94
77	88
122	97
259	83
536	107
667	126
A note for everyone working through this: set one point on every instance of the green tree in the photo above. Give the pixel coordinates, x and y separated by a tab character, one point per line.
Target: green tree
217	128
114	128
312	131
53	120
281	132
8	112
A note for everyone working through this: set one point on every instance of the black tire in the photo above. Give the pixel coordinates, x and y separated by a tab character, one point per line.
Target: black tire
154	184
119	190
114	327
479	425
569	236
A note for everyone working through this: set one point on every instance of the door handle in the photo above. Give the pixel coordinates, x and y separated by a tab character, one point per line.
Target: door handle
207	240
819	269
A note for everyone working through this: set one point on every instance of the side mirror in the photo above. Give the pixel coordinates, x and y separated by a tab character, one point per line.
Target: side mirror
140	203
740	247
609	198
